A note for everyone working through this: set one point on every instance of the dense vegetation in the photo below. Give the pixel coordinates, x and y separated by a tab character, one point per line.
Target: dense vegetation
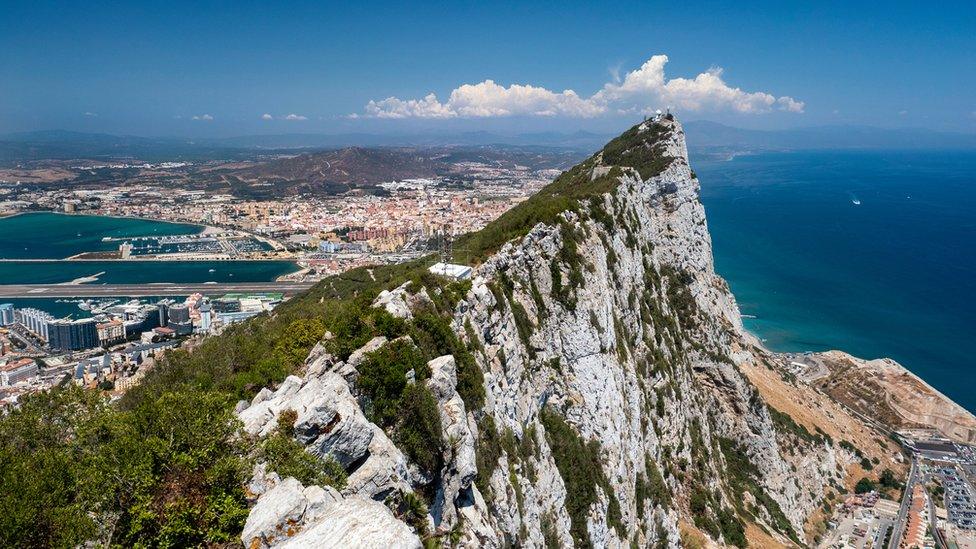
166	471
743	476
165	467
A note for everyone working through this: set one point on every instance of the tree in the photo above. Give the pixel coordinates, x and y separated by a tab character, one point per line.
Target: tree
864	486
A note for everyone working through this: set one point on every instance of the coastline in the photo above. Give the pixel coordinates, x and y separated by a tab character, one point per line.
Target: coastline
914	401
203	230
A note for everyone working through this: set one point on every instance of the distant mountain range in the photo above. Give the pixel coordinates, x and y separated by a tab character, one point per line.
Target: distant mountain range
336	171
59	144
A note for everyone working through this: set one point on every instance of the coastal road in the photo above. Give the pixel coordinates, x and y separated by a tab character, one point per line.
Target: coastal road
906	502
146	290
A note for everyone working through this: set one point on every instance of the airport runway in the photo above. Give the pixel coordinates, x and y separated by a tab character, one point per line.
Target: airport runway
146	290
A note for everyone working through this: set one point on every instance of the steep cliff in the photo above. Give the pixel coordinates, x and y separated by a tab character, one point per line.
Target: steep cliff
616	398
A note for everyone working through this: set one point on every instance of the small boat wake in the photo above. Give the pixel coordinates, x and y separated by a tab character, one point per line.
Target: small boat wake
855	200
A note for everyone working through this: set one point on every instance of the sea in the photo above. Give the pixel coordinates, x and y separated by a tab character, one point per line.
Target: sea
869	252
34	242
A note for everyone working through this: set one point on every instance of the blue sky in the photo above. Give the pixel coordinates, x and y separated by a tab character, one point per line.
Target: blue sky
150	68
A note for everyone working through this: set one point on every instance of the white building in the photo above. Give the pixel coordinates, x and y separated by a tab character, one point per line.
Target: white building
451	270
17	371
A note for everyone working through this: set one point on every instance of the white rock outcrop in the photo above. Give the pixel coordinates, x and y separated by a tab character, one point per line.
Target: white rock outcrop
329	420
292	515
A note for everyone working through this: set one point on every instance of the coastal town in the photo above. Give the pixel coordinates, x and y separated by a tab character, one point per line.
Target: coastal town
324	235
109	341
937	507
113	344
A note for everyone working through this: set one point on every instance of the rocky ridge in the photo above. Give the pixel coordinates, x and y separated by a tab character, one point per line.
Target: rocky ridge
618	409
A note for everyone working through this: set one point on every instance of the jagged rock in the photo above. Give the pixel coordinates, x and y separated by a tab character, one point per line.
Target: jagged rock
261	481
636	342
263	394
395	301
329	420
292	515
459	456
278	515
355	522
359	355
443	377
321	363
383	472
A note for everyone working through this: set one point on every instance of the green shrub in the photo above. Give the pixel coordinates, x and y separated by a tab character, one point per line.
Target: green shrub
784	423
383	379
411	509
731	527
743	476
864	486
579	466
289	458
418	432
487	454
657	490
168	470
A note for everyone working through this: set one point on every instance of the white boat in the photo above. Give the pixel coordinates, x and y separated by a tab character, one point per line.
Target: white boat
856	202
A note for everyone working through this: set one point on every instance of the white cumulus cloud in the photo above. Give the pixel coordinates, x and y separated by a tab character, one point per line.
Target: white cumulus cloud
641	90
294	116
266	116
206	117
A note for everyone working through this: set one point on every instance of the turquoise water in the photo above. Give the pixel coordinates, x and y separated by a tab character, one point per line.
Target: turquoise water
53	236
143	272
893	276
45	235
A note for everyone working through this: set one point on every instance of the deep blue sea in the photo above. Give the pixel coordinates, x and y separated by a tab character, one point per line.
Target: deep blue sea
892	276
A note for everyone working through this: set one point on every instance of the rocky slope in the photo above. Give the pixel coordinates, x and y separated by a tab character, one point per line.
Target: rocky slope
621	403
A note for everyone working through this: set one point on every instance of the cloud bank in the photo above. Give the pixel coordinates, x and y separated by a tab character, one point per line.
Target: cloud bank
639	91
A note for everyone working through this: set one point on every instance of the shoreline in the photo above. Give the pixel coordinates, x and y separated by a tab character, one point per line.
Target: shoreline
203	231
762	343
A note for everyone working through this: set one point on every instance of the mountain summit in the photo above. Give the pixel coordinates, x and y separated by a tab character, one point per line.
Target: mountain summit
593	392
589	385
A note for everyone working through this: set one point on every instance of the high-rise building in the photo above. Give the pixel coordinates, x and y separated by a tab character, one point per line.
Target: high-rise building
163	312
6	314
178	318
205	317
73	335
35	320
18	370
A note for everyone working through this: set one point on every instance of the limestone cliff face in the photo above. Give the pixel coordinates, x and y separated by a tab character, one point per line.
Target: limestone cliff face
640	356
616	406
